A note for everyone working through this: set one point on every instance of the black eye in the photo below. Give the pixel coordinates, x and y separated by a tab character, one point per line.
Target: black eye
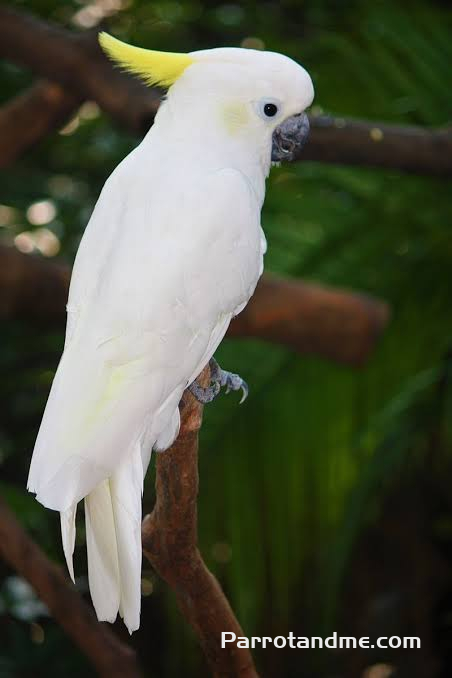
270	110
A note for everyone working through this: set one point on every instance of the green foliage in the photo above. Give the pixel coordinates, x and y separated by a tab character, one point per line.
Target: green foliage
289	478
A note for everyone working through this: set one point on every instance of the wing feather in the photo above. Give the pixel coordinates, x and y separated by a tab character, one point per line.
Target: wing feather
151	297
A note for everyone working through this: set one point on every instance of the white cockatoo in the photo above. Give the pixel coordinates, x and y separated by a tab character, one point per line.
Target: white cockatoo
172	252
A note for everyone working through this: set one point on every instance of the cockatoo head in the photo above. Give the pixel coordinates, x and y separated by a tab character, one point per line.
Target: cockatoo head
249	94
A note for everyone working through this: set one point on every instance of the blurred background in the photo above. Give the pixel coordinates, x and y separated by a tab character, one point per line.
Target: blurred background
325	501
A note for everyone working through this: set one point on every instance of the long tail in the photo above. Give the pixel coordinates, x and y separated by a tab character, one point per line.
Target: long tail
113	538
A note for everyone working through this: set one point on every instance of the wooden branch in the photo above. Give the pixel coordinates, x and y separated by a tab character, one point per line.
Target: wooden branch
31	116
111	657
308	318
76	62
355	142
170	542
32	287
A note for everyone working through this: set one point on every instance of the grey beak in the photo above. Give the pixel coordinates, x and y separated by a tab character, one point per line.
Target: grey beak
289	137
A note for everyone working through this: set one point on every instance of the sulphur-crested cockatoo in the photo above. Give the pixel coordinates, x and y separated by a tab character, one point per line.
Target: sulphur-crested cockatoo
172	252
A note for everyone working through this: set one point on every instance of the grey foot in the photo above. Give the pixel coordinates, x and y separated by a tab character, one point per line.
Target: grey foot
218	378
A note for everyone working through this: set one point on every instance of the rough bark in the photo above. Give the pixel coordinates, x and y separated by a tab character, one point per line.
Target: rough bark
170	542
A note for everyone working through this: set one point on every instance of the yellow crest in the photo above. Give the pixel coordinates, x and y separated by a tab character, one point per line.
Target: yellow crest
155	68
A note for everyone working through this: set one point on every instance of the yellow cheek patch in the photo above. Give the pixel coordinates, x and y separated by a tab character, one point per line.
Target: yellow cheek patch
235	116
155	68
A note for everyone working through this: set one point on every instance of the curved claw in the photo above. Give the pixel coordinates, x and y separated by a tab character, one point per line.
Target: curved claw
234	382
245	390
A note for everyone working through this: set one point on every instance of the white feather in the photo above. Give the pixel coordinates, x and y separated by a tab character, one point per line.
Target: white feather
113	537
67	519
103	561
126	488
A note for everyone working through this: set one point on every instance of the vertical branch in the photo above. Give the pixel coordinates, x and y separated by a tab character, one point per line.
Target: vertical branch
170	536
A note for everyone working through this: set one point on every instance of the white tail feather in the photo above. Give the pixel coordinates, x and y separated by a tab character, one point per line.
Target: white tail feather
103	566
68	536
126	487
113	537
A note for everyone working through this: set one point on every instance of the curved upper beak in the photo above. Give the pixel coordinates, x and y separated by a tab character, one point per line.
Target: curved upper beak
289	137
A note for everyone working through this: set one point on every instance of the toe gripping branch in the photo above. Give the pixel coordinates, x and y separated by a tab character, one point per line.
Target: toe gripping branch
218	379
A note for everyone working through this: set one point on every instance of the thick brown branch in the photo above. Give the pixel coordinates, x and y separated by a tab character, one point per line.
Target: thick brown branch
106	652
32	115
75	61
32	287
339	325
355	142
170	536
309	318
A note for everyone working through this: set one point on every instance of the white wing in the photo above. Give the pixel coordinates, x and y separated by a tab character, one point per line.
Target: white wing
161	270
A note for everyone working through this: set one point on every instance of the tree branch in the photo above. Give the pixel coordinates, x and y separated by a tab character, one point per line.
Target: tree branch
31	116
108	654
32	287
355	142
308	318
170	542
76	62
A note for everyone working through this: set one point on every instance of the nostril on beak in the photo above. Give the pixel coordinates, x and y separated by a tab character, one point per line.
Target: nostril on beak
289	137
286	146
